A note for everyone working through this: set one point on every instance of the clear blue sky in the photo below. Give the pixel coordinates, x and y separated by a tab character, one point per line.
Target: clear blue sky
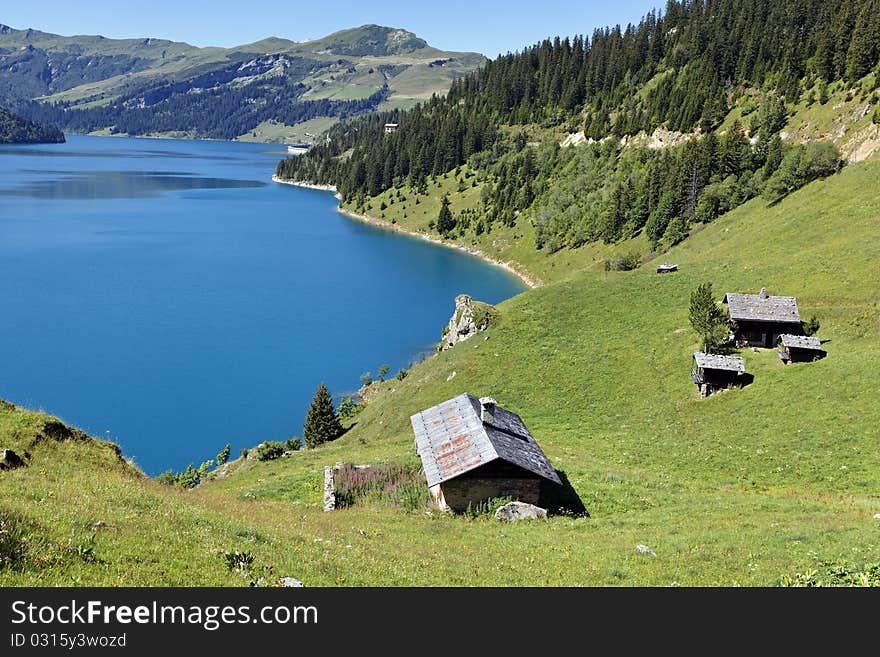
489	27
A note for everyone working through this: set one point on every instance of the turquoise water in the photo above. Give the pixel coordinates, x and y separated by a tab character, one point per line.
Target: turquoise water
168	296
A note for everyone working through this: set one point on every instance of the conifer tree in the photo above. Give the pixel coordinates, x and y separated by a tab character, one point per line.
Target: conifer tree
322	423
445	220
708	319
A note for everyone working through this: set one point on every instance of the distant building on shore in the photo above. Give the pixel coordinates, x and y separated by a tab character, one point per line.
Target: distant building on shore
391	127
298	149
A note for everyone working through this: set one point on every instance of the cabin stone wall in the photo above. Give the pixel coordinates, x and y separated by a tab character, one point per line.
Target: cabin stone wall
764	334
460	492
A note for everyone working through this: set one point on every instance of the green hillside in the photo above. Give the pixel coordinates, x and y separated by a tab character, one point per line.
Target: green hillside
748	486
158	87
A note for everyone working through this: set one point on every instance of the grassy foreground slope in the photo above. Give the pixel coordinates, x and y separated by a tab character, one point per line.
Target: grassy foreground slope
741	488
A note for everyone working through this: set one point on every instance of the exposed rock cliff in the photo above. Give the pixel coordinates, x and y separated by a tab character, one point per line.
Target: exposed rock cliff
469	318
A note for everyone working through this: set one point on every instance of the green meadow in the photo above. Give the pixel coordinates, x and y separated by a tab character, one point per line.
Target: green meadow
745	488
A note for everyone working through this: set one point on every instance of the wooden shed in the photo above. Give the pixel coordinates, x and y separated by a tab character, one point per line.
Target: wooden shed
712	372
799	348
666	268
761	318
473	450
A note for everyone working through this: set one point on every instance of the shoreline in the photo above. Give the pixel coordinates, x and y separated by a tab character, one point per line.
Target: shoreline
528	280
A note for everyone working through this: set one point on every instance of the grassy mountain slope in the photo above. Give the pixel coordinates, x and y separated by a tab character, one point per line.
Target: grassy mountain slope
740	488
91	83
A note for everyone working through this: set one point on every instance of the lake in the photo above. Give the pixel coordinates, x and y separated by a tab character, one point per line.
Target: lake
167	295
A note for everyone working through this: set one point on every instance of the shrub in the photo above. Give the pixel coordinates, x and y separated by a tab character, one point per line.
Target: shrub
832	573
349	408
223	455
293	444
189	478
269	450
625	262
811	327
238	560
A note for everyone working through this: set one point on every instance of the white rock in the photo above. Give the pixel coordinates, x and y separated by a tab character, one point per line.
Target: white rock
644	549
290	582
450	377
519	511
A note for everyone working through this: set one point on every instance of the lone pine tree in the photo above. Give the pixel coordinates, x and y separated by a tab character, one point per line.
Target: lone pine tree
322	423
708	318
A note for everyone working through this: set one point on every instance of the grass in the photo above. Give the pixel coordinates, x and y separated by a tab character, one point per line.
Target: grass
514	245
275	132
740	489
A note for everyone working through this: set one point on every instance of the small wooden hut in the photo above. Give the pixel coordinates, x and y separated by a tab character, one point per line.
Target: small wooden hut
713	372
666	268
761	318
799	348
473	450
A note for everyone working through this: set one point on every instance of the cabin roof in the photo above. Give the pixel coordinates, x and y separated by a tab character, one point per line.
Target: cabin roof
719	362
667	266
762	308
452	439
800	342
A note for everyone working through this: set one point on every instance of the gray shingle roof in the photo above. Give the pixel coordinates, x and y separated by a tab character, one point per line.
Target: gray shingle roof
452	439
755	308
718	362
801	342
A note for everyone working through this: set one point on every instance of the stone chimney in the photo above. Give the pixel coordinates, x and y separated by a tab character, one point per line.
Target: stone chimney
487	410
763	293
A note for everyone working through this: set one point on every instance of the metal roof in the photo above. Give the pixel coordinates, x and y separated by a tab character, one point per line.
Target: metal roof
452	439
800	342
718	362
762	308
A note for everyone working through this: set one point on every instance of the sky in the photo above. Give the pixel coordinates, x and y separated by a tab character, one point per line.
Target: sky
492	28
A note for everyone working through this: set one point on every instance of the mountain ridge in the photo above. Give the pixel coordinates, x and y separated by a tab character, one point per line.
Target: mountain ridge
93	84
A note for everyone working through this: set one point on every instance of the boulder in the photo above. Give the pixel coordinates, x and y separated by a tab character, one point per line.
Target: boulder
10	460
519	511
289	582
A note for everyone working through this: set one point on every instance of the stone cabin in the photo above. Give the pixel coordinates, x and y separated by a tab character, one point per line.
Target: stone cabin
713	372
390	127
761	318
799	348
472	450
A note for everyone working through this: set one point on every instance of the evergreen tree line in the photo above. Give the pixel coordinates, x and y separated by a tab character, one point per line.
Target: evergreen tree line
16	130
679	69
223	112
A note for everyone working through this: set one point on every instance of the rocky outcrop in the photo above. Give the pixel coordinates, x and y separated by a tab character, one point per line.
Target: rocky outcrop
470	317
9	460
519	511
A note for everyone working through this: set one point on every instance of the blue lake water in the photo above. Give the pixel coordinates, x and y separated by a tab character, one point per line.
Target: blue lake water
168	296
